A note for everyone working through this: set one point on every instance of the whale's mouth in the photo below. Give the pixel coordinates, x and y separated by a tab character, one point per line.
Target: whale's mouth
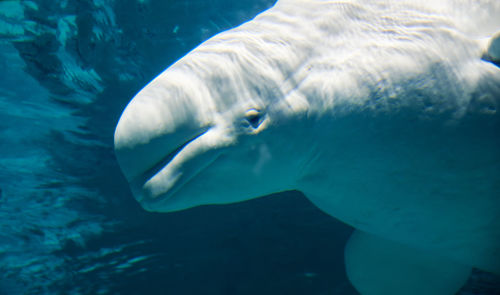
148	174
139	183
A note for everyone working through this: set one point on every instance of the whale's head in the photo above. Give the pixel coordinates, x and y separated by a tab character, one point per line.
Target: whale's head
208	130
237	117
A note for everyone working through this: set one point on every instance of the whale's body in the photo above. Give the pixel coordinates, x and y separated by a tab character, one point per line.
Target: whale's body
385	114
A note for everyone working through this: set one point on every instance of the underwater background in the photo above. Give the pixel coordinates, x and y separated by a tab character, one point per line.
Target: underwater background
68	223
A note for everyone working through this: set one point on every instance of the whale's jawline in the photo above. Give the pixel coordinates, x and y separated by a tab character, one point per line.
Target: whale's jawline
153	203
163	162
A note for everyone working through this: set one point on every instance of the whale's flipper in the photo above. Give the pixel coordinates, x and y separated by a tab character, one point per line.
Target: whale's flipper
493	50
376	266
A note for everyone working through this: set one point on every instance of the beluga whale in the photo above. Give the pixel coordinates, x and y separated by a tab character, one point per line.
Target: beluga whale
385	114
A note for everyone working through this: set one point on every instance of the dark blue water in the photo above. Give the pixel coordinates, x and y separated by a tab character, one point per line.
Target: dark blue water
68	223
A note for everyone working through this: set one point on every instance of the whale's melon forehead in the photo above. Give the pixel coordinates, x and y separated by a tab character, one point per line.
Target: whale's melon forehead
231	74
174	100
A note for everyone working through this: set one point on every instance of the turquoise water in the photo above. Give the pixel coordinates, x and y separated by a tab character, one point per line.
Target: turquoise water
68	223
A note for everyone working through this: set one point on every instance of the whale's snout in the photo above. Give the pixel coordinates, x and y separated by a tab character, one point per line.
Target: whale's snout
159	122
143	146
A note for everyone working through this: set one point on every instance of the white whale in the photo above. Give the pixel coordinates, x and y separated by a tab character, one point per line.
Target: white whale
385	114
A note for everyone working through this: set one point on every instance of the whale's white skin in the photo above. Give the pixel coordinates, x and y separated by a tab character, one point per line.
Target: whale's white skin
385	114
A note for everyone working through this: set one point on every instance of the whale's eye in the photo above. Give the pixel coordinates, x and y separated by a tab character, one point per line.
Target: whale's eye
253	117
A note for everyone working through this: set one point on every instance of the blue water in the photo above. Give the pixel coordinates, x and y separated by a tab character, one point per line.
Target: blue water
68	223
